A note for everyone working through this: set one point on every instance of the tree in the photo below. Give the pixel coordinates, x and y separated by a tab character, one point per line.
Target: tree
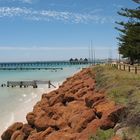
129	39
137	1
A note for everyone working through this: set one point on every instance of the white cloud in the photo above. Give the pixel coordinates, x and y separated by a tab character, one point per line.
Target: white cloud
23	1
49	15
11	12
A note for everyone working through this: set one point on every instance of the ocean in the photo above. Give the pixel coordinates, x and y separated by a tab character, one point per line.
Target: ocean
16	102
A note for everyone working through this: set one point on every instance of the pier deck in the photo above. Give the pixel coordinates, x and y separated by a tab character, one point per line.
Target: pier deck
25	84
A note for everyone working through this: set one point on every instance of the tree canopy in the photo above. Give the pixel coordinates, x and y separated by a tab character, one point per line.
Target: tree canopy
137	1
129	38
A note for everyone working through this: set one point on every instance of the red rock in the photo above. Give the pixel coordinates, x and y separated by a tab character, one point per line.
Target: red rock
89	83
110	113
49	95
106	124
81	92
77	83
30	117
68	98
79	121
60	135
41	123
89	130
98	102
51	116
93	98
105	106
74	107
65	88
56	99
44	102
10	130
18	135
75	89
41	135
27	129
115	114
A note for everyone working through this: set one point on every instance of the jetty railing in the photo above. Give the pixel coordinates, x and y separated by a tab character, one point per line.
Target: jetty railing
25	84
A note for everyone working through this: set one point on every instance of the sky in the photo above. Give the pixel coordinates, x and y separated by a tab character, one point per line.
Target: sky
42	30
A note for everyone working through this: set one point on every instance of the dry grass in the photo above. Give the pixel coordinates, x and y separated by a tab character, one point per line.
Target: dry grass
124	88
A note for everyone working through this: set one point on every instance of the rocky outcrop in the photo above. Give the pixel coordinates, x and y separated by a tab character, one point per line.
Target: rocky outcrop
10	131
72	112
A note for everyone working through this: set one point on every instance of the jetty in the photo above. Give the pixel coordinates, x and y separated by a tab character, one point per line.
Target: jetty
25	84
46	65
7	67
41	65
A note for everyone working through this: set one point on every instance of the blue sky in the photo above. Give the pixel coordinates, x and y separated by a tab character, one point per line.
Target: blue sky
58	29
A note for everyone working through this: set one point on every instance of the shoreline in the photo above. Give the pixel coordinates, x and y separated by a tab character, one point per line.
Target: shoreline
73	111
19	114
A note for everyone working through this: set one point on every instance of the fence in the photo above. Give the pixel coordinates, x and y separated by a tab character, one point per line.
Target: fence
126	67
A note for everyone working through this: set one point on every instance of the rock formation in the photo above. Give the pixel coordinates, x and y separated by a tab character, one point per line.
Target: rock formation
72	112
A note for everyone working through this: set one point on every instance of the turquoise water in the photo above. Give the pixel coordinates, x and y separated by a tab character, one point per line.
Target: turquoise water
16	102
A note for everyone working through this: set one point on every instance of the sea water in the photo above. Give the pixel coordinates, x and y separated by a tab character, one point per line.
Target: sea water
16	102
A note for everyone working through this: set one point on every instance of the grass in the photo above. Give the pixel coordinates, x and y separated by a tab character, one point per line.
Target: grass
124	88
103	135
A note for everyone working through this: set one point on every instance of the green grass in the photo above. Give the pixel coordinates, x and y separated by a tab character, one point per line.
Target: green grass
124	88
103	135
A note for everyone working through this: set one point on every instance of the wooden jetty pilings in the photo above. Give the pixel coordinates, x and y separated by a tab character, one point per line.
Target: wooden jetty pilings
25	84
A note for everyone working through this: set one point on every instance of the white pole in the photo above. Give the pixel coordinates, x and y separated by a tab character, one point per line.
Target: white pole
94	56
91	52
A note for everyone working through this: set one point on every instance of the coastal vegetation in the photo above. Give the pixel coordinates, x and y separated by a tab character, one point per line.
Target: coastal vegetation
103	135
124	88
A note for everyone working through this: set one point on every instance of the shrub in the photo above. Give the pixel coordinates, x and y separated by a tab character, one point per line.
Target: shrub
102	135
